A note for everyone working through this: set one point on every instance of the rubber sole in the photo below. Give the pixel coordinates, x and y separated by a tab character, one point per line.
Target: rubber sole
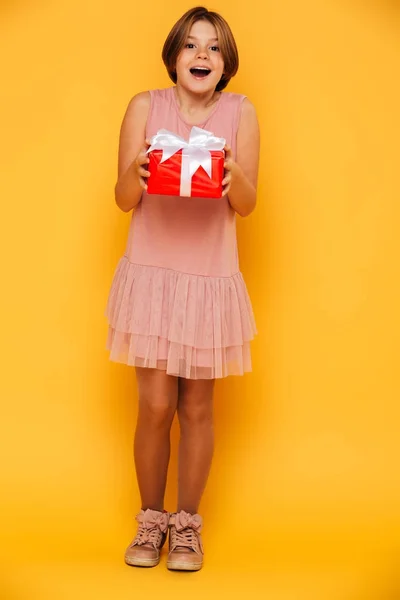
183	566
142	562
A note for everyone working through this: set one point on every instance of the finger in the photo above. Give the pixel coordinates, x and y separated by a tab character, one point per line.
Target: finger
143	172
143	158
226	180
226	189
142	164
143	184
228	151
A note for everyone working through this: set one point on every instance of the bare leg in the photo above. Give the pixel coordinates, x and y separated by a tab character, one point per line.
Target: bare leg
158	397
195	411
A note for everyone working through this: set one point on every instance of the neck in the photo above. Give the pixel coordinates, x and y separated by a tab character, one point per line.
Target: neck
190	102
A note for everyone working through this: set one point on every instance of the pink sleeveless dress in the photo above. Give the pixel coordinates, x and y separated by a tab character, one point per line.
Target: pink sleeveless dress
178	301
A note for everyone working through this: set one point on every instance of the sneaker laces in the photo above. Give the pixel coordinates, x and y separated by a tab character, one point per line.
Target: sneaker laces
185	532
152	528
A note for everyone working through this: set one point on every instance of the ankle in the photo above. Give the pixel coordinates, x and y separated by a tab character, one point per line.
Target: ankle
187	508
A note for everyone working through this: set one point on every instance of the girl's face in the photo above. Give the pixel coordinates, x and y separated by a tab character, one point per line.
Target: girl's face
200	65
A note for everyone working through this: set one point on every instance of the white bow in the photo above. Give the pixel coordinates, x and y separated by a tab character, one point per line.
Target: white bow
195	153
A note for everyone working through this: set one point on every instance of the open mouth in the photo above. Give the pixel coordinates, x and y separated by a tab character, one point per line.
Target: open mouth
200	72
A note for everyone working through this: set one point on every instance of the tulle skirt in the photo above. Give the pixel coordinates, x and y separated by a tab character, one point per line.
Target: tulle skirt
191	326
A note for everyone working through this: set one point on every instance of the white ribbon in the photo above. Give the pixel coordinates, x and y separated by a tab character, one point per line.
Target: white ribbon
195	153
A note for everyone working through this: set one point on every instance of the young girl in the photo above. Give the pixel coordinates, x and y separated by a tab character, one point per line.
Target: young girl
178	308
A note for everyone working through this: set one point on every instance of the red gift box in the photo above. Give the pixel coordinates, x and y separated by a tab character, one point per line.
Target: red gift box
165	177
180	168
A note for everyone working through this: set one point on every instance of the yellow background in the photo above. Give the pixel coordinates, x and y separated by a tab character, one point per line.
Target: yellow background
303	500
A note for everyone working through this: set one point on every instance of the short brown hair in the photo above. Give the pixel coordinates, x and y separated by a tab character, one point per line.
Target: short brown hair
177	37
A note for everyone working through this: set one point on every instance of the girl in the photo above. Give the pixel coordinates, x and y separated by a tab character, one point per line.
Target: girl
178	308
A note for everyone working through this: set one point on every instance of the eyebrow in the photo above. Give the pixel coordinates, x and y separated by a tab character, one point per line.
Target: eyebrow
190	37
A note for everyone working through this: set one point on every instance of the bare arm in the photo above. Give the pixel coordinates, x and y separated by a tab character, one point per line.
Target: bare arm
242	174
132	158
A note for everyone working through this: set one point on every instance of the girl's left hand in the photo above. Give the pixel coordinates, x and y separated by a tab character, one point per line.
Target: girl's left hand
229	167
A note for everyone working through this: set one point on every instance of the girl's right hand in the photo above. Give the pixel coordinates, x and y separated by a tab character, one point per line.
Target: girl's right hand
139	163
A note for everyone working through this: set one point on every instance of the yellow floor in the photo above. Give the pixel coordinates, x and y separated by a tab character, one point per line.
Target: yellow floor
110	579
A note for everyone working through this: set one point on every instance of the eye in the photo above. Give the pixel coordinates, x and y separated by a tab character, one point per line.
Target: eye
215	48
189	46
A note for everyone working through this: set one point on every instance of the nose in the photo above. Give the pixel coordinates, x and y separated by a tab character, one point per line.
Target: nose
202	53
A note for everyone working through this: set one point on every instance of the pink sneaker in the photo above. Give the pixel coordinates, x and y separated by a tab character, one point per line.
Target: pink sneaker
145	549
185	545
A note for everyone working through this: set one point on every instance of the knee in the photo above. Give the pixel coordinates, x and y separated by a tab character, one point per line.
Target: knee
158	412
193	414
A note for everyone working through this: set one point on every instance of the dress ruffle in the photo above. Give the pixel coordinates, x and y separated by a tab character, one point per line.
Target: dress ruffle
191	326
